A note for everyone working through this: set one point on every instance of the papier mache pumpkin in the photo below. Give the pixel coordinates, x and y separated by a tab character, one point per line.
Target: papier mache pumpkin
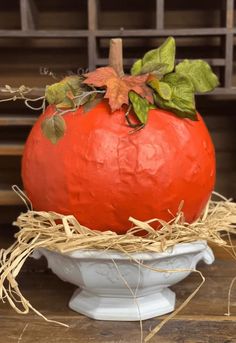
111	145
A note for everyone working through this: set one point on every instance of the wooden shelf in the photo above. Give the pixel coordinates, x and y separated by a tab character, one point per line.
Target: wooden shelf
9	198
44	34
202	320
162	32
114	33
17	120
11	149
129	61
31	14
35	92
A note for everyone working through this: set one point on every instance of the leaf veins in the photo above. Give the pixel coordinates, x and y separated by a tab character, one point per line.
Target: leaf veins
118	88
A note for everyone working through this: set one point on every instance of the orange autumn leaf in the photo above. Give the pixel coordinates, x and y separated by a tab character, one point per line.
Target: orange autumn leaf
117	88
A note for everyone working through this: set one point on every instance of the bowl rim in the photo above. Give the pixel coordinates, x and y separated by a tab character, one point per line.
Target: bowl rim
178	249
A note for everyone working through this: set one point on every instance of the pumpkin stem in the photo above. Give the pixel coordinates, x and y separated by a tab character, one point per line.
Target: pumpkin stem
116	55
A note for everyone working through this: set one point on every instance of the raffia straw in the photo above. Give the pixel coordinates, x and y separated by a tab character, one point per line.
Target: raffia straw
134	296
173	314
64	234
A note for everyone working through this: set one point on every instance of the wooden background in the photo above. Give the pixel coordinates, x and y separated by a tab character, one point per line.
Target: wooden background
41	37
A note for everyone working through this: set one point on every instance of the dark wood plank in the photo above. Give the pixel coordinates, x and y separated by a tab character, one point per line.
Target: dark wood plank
84	330
226	165
17	120
202	321
224	254
8	197
130	61
34	93
229	46
92	25
224	140
43	34
221	91
226	183
92	15
29	14
50	294
24	15
229	14
162	33
11	149
160	10
229	42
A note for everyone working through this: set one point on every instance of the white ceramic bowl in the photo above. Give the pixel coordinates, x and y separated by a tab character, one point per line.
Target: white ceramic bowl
114	287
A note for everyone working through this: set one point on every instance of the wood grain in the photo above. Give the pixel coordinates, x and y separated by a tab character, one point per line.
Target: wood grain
29	14
8	197
11	149
160	14
202	321
17	120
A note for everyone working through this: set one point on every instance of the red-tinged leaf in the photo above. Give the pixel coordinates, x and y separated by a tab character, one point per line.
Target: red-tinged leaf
138	85
117	93
99	76
118	87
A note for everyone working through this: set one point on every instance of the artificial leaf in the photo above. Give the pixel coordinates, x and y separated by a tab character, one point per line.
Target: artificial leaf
164	55
138	85
63	94
182	101
159	69
117	88
141	106
74	81
136	67
162	88
54	128
91	104
56	93
159	61
78	90
99	76
200	74
84	98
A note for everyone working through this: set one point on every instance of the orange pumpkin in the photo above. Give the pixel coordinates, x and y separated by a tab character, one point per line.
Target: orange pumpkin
102	174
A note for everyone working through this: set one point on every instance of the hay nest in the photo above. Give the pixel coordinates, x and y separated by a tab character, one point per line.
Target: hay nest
63	233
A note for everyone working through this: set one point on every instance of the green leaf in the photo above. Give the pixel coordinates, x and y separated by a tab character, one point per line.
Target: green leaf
159	61
75	83
164	55
140	105
165	90
162	88
136	68
91	104
53	128
182	101
82	100
56	93
64	94
200	74
159	69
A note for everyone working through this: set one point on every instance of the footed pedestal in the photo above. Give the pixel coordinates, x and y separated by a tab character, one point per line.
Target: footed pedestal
123	309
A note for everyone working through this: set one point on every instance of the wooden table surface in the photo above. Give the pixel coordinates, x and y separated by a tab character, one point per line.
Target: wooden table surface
202	321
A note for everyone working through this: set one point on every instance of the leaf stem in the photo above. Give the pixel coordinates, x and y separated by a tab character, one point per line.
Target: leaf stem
134	126
82	96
